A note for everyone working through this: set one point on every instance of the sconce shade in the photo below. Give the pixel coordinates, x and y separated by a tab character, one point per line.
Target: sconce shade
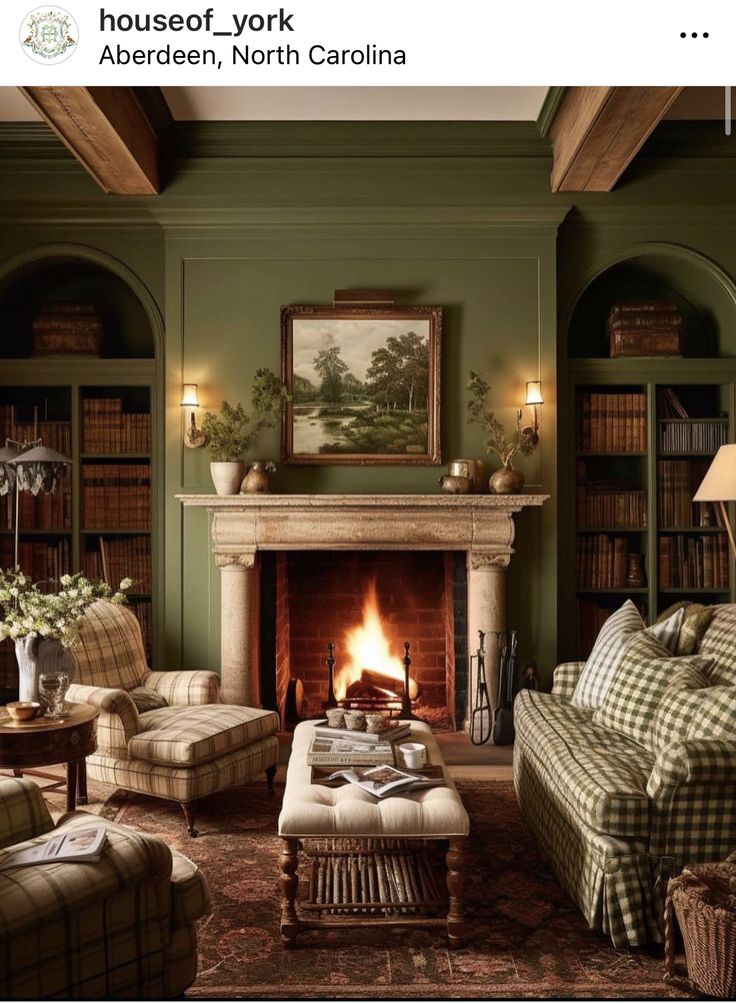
189	396
534	392
719	483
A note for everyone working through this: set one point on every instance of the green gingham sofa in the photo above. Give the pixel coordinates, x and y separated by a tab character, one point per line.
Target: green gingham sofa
121	928
614	821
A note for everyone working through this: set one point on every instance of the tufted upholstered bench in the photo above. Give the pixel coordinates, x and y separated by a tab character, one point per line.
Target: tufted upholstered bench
315	812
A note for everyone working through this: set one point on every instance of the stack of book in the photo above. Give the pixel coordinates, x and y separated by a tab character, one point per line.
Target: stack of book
56	435
694	562
677	482
39	512
106	428
607	503
602	561
332	747
117	558
612	422
678	433
651	328
40	559
67	329
116	496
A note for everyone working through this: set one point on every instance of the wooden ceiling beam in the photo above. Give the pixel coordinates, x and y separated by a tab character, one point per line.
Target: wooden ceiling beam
597	132
110	130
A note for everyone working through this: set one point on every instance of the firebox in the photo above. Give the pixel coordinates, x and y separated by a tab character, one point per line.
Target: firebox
359	620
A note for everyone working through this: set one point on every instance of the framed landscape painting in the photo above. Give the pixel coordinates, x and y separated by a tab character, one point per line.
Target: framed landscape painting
364	384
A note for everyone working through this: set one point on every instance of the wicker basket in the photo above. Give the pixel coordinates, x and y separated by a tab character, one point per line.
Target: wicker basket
703	898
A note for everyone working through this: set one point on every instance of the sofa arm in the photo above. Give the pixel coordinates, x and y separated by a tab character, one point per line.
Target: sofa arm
565	678
695	761
23	812
59	891
118	721
185	687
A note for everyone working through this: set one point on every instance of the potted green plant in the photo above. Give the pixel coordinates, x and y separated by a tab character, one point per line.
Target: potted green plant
508	480
233	431
44	623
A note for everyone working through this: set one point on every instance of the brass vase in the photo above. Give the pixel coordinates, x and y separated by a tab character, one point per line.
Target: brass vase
258	479
506	481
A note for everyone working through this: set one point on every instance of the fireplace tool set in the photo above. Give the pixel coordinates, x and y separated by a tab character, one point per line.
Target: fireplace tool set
388	703
483	722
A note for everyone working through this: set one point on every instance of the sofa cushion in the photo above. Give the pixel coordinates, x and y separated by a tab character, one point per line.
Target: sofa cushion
604	660
674	713
639	685
715	715
189	736
601	777
719	642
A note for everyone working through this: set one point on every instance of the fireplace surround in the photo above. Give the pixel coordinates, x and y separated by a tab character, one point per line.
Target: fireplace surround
481	526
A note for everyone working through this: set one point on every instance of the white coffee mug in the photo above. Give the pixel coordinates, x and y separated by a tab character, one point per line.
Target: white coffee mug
414	754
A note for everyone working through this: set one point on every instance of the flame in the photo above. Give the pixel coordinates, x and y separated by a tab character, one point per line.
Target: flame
367	647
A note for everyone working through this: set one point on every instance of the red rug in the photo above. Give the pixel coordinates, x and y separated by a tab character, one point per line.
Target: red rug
528	938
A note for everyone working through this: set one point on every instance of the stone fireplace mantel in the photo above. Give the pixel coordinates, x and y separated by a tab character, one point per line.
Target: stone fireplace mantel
243	525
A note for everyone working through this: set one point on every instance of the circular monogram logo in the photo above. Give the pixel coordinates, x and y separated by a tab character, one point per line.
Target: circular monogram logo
48	35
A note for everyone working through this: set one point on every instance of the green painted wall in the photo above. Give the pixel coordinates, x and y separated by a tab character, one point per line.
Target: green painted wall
256	216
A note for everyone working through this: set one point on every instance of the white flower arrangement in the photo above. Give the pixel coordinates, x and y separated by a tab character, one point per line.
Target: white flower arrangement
27	610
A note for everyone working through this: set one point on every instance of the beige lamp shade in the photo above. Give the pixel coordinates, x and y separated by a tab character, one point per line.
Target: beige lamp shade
719	484
534	392
189	396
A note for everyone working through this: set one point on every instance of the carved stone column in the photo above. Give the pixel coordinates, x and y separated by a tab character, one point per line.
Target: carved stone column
486	612
240	615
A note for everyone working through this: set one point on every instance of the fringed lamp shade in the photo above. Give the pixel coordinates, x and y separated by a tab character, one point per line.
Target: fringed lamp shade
39	469
7	471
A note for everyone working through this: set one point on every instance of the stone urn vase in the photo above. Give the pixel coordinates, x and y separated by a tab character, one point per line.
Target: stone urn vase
38	655
506	481
258	479
227	476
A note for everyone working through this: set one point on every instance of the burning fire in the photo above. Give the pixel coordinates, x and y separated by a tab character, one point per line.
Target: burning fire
368	649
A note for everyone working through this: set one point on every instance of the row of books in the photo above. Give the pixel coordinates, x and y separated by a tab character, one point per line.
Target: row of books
117	558
613	422
106	428
694	562
39	512
39	558
56	435
591	616
619	508
677	482
601	561
116	496
692	435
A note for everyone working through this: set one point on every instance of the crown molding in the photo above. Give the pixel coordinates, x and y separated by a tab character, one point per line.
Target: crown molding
547	112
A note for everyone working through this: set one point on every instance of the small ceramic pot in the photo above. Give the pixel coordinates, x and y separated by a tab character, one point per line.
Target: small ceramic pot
453	484
258	481
506	481
375	723
24	711
355	721
336	718
227	476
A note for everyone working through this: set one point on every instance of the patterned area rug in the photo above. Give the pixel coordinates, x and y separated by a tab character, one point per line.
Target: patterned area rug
528	938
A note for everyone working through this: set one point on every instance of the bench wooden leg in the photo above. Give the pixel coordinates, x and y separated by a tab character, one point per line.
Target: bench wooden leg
288	884
456	928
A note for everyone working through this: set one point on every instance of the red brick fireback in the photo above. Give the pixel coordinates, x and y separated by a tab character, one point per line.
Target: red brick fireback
326	592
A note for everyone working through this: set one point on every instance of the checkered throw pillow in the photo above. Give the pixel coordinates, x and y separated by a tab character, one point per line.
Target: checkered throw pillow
604	660
715	717
639	685
687	689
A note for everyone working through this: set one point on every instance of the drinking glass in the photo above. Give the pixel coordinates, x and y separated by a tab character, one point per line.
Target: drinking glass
52	689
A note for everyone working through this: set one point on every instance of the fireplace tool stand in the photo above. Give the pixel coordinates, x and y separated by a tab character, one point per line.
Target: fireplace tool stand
372	703
481	715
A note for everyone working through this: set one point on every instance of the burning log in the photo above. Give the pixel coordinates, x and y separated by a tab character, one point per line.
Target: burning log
375	678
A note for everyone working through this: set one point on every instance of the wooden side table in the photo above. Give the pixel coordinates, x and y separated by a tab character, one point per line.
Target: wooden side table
45	741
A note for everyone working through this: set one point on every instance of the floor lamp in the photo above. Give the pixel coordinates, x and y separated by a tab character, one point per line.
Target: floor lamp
719	486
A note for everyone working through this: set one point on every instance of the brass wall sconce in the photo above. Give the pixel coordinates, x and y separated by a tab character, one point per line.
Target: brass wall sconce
193	436
533	400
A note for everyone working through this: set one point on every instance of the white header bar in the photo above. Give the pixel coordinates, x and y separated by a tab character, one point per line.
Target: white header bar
377	43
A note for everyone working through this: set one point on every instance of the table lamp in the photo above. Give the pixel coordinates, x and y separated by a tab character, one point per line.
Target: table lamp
719	486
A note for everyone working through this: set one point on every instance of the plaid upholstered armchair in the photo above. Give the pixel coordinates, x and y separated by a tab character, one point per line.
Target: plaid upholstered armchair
122	927
164	734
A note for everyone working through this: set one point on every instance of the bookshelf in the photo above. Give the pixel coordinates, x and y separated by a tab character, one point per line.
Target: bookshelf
627	488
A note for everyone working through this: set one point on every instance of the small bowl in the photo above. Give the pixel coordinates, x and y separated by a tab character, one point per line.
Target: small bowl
23	711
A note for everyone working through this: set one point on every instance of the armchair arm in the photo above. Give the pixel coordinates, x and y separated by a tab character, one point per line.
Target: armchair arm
23	812
185	687
565	678
118	721
695	761
61	891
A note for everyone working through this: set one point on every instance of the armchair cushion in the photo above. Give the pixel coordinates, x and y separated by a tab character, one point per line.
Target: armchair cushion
185	687
146	699
188	737
23	812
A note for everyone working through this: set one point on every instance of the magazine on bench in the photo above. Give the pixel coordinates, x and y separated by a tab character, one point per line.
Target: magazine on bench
386	780
71	845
